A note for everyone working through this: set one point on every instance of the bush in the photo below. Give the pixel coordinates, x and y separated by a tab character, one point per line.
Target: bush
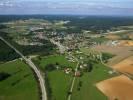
50	67
48	88
4	76
106	56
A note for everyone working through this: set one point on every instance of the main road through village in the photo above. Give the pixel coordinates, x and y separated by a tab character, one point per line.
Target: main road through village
34	68
62	49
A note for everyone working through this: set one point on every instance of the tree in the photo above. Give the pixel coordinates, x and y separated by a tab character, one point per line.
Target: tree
50	67
3	76
57	63
89	67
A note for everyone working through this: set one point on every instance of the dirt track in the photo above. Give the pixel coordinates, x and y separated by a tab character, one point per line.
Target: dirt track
117	88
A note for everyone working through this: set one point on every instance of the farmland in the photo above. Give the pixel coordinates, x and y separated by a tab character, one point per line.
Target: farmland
59	82
88	80
52	59
117	88
125	66
79	58
21	84
121	52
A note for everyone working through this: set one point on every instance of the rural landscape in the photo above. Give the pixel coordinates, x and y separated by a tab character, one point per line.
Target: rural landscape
66	57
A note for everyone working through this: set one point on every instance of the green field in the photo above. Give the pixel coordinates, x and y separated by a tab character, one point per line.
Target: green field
59	82
88	90
56	58
99	39
21	85
88	51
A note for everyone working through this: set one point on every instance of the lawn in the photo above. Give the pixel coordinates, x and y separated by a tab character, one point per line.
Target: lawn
20	85
88	90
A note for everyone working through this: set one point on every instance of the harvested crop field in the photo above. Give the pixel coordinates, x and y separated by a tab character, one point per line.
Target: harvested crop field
131	36
126	43
120	52
117	88
113	37
125	66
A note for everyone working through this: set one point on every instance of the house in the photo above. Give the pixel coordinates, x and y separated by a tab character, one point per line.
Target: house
77	74
81	66
68	70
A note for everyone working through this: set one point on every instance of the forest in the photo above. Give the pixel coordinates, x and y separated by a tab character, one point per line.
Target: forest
7	54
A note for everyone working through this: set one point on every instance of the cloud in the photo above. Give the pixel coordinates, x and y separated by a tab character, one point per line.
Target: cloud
6	3
66	6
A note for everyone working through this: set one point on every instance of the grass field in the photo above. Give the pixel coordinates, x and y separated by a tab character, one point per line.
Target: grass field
56	58
88	90
99	39
88	51
59	82
21	85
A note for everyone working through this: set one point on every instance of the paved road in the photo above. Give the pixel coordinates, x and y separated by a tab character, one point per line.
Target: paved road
62	49
32	65
74	78
59	45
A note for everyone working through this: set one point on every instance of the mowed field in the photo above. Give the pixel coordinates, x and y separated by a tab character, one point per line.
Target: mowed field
21	85
117	88
120	52
125	66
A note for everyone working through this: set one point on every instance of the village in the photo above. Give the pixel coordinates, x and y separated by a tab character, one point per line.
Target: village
77	57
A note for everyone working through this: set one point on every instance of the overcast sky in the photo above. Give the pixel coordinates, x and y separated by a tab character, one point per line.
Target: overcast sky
84	7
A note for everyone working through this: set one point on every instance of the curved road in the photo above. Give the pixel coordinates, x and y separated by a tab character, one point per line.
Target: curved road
32	65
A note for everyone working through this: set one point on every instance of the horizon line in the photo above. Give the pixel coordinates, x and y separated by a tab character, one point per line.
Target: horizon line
70	15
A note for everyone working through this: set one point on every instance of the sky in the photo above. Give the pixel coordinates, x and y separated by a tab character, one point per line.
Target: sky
71	7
